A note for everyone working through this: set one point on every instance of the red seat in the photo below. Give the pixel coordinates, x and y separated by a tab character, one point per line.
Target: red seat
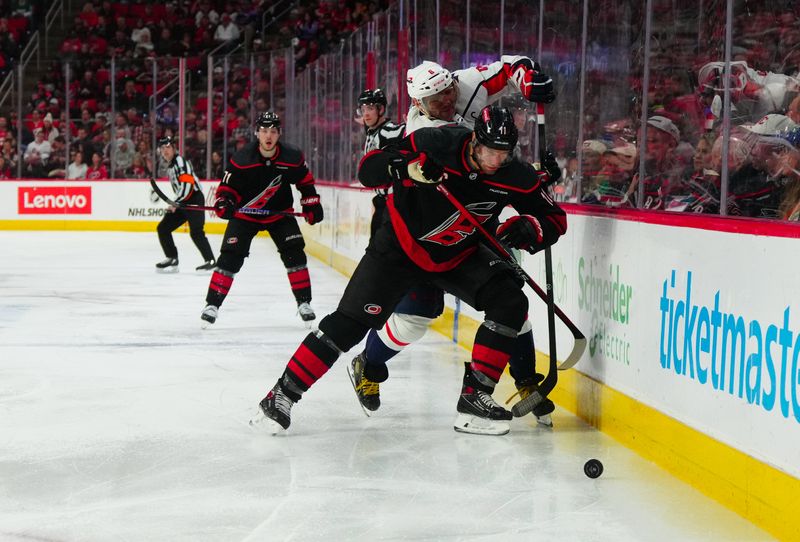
120	10
137	10
102	76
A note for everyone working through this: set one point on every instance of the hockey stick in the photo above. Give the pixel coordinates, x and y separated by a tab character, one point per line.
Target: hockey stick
580	339
243	210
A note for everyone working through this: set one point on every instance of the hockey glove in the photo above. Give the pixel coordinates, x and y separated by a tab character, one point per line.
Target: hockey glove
312	208
423	169
225	207
534	85
523	232
549	173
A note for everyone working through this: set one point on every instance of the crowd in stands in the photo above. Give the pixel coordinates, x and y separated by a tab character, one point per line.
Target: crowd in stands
17	21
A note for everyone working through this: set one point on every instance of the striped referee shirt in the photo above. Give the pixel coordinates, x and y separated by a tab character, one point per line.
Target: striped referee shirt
182	178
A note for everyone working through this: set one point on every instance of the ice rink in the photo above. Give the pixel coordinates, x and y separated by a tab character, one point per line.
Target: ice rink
120	419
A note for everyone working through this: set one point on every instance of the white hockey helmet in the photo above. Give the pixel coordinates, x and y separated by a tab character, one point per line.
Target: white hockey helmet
427	79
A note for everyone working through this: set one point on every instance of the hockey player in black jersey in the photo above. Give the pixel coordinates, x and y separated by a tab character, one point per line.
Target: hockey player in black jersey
427	239
187	191
260	176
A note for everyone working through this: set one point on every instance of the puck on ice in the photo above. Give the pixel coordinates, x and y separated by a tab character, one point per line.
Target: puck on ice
593	468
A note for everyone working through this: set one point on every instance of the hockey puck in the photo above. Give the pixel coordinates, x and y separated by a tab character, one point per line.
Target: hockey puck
593	468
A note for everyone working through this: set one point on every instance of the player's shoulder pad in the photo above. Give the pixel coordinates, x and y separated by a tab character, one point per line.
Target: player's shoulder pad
443	137
392	129
290	155
246	157
522	175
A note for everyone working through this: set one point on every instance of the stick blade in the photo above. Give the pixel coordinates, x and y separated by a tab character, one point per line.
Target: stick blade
575	356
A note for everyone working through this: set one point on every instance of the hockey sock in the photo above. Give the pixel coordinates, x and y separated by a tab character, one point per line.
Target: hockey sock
376	352
300	281
316	354
492	350
219	287
522	364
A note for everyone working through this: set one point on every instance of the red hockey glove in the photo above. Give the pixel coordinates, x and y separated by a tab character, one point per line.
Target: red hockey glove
523	232
225	206
312	208
534	85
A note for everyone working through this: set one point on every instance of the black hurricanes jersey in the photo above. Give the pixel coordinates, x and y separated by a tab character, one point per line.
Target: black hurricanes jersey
264	183
426	225
386	133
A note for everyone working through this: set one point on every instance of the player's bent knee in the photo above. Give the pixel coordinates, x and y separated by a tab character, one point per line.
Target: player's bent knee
403	329
507	306
232	263
344	331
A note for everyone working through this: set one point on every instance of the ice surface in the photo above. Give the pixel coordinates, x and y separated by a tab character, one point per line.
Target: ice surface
120	419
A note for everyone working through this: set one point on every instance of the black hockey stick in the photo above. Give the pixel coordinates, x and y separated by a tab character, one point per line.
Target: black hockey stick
243	210
580	339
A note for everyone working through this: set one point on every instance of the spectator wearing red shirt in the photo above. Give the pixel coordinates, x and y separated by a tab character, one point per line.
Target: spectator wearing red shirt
97	170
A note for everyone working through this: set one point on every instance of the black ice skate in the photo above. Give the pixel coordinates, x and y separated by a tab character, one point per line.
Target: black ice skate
170	265
478	412
542	411
275	410
367	390
306	313
208	316
207	266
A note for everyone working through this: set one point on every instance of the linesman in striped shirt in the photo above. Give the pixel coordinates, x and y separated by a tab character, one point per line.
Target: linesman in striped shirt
187	190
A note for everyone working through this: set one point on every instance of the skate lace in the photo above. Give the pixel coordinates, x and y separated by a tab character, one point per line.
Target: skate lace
523	392
282	402
368	387
304	308
487	400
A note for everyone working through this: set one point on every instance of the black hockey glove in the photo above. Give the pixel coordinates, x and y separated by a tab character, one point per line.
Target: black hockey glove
523	232
312	208
534	85
549	173
225	207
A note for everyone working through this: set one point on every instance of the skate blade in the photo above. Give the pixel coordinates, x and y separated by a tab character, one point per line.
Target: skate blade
167	271
205	324
353	382
467	423
262	423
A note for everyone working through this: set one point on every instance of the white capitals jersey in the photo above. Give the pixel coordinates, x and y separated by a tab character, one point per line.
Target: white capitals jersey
182	178
477	88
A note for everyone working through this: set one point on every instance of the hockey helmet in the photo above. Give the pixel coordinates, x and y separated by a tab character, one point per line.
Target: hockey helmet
427	79
495	128
268	119
166	140
372	96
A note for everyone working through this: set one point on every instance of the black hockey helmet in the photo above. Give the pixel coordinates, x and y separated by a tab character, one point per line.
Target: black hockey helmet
372	96
495	128
268	119
166	140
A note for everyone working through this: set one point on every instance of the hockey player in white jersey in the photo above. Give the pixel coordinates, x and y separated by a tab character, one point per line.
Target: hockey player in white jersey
439	97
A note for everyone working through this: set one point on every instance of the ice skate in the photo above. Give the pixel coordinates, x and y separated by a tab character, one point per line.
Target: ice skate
525	390
274	411
306	313
207	266
367	391
208	316
170	265
478	413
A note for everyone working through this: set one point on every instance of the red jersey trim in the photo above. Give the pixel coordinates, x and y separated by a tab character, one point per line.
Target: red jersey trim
414	251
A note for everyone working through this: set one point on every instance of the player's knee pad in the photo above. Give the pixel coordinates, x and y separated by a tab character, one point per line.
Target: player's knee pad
400	330
503	303
343	331
230	262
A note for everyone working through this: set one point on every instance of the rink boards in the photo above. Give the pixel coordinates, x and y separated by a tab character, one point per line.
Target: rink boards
694	332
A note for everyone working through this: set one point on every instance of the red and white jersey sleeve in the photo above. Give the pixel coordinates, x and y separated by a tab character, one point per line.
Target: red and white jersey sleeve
484	85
